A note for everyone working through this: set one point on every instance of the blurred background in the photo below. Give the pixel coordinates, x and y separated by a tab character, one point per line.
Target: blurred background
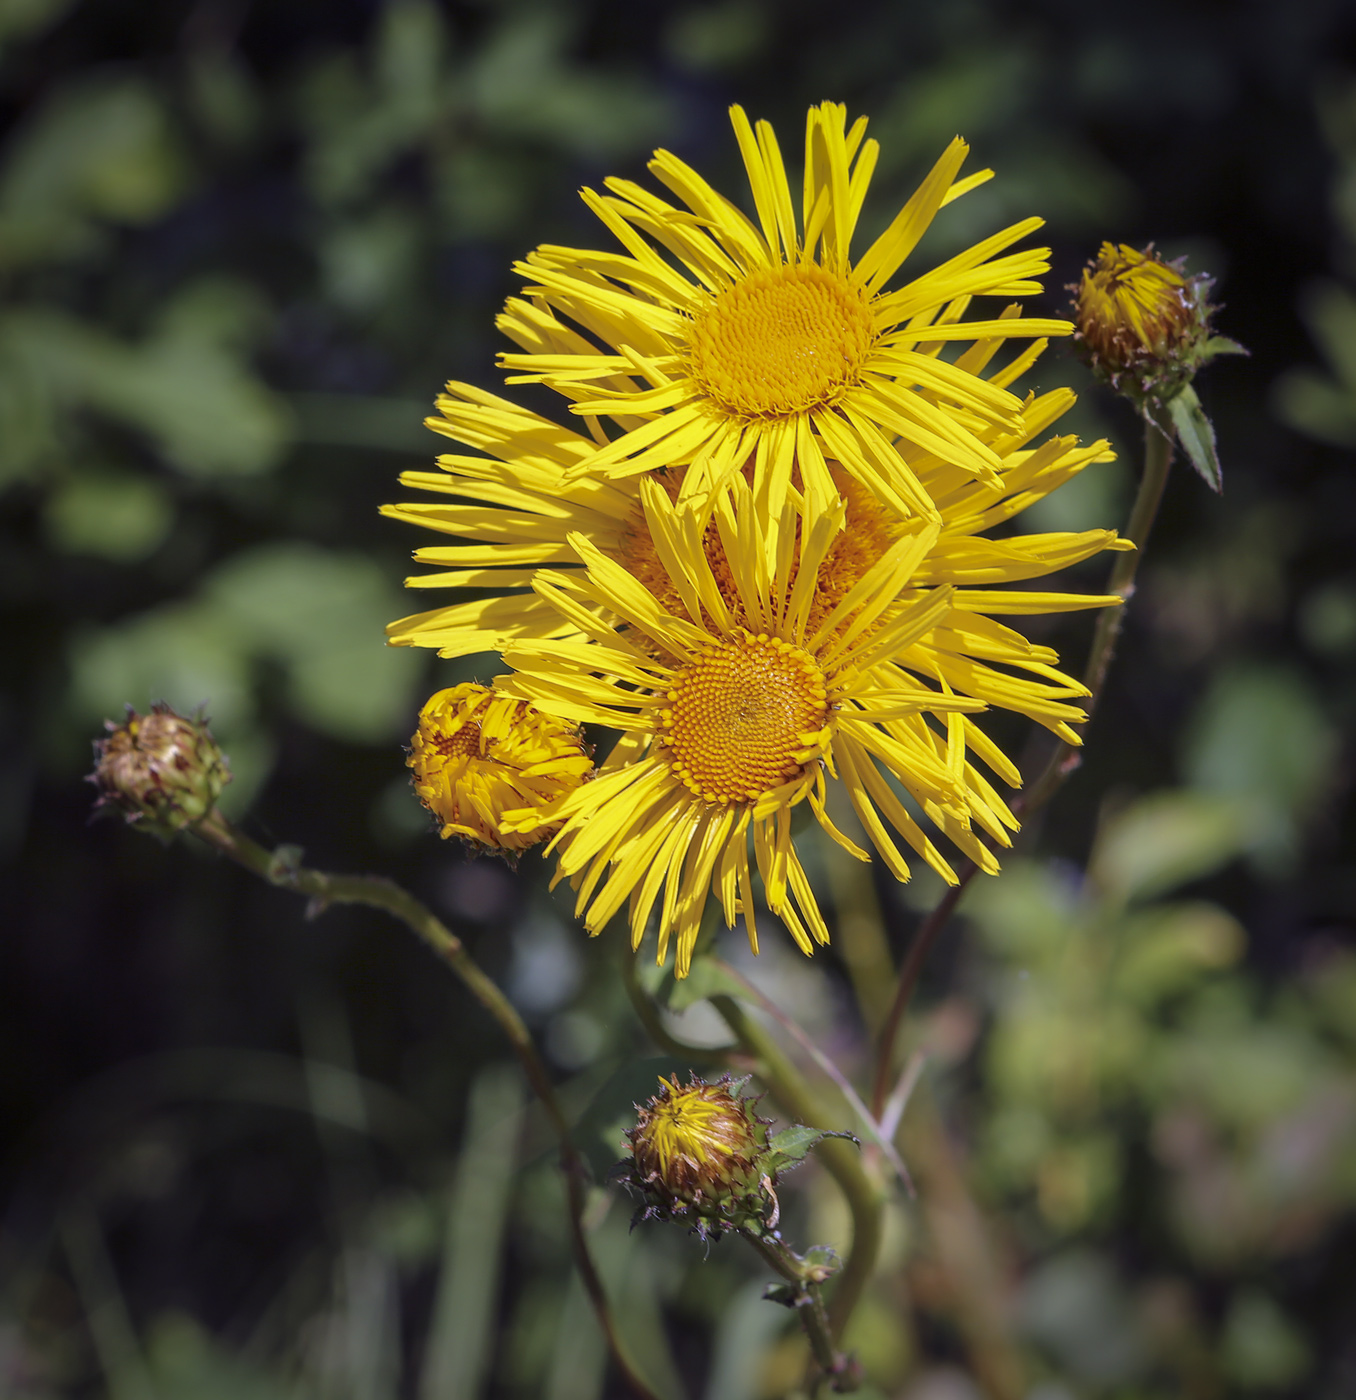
249	1156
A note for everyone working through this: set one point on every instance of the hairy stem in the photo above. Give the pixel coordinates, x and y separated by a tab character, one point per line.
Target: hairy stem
808	1302
282	868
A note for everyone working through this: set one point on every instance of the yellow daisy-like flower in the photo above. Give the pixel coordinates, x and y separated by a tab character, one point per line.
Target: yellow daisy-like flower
516	508
513	511
478	754
737	692
713	341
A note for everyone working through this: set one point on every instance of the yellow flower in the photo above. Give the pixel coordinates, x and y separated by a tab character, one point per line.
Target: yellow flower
513	510
1142	322
726	341
517	505
478	754
697	1142
771	652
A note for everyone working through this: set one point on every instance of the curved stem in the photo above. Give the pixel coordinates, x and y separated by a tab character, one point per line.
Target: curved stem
283	868
842	1160
1158	444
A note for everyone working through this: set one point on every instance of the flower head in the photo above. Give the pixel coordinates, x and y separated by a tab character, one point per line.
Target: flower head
1142	321
478	754
713	340
160	769
699	1151
747	660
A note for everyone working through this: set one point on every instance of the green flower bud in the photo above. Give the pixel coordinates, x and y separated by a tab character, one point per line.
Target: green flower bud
1144	323
160	769
700	1153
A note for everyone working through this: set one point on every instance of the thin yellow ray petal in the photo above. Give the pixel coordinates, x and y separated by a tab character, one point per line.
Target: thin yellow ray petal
764	199
963	187
883	258
877	588
781	191
1023	603
683	819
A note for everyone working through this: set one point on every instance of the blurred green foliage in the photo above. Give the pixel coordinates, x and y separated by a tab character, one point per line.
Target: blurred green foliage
1324	404
241	246
1122	1019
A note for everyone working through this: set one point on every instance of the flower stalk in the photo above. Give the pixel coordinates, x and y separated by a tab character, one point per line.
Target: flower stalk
1064	761
282	867
700	1155
802	1291
865	1197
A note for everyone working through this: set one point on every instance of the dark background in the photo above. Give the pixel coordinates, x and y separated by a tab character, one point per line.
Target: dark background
241	247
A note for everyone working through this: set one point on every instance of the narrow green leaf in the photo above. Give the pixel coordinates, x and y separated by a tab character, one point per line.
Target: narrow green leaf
1197	436
1221	345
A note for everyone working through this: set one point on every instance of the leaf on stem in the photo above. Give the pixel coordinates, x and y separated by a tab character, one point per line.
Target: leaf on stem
1197	436
788	1148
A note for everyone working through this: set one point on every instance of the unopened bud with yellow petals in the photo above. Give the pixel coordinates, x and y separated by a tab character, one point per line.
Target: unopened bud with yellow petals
700	1152
1141	320
1143	325
479	756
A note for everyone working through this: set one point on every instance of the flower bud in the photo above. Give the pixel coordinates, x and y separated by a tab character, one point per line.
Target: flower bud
479	755
160	769
1143	324
699	1152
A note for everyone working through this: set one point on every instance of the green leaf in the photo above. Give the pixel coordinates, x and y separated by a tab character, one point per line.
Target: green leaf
112	516
1262	739
787	1148
187	387
98	148
1221	345
1197	436
1167	839
1170	947
320	615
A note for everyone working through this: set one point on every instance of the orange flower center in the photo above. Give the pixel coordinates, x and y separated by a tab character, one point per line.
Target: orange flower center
465	743
745	717
781	342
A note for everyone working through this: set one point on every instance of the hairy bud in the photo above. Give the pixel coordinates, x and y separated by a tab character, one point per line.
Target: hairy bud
159	769
700	1153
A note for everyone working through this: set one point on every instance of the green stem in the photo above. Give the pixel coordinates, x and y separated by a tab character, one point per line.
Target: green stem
809	1305
282	868
841	1159
910	970
1158	443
